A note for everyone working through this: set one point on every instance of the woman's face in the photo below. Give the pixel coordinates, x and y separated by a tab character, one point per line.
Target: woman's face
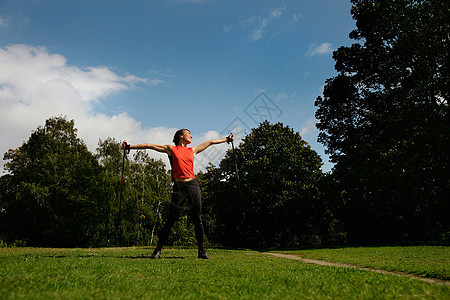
187	137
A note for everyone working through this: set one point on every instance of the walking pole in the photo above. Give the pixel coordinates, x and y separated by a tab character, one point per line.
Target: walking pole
237	175
121	193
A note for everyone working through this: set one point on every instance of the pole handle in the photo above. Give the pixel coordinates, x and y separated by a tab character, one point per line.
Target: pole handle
229	140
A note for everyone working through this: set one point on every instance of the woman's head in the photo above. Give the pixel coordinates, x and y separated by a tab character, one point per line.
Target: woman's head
178	135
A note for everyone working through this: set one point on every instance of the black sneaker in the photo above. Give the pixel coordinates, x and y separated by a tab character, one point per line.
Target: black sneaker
202	254
156	254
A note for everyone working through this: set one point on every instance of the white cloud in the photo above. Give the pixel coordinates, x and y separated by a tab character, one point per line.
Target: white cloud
324	48
7	22
192	1
156	81
166	73
275	14
227	28
213	154
36	85
309	127
4	23
258	24
285	96
296	17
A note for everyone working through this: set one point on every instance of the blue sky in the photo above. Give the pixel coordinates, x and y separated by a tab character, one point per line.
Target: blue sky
139	70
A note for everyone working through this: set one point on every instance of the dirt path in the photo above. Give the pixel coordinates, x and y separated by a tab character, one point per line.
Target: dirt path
341	265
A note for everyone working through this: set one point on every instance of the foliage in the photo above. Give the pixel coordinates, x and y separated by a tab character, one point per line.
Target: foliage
151	187
48	197
134	210
385	122
57	193
276	201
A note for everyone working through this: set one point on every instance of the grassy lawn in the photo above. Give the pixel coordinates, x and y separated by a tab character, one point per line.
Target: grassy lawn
425	261
128	273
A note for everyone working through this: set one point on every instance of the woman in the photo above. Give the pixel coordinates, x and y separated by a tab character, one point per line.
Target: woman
185	186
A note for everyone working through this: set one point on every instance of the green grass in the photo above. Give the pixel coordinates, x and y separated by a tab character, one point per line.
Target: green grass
128	273
425	261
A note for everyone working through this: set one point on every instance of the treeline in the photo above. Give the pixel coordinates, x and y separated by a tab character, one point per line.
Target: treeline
384	119
57	193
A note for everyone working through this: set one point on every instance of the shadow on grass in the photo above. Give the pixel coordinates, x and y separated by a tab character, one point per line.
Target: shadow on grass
103	256
149	257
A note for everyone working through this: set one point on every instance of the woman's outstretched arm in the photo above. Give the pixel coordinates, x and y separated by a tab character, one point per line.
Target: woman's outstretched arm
203	146
160	148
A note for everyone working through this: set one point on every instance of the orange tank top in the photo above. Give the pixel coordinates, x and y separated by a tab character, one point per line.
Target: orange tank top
182	161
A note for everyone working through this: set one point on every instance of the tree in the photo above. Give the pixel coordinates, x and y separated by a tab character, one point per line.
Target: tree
51	188
280	203
151	186
146	189
385	121
56	193
109	156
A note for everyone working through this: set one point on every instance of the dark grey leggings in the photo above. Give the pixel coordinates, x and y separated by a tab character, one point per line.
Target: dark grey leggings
183	191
